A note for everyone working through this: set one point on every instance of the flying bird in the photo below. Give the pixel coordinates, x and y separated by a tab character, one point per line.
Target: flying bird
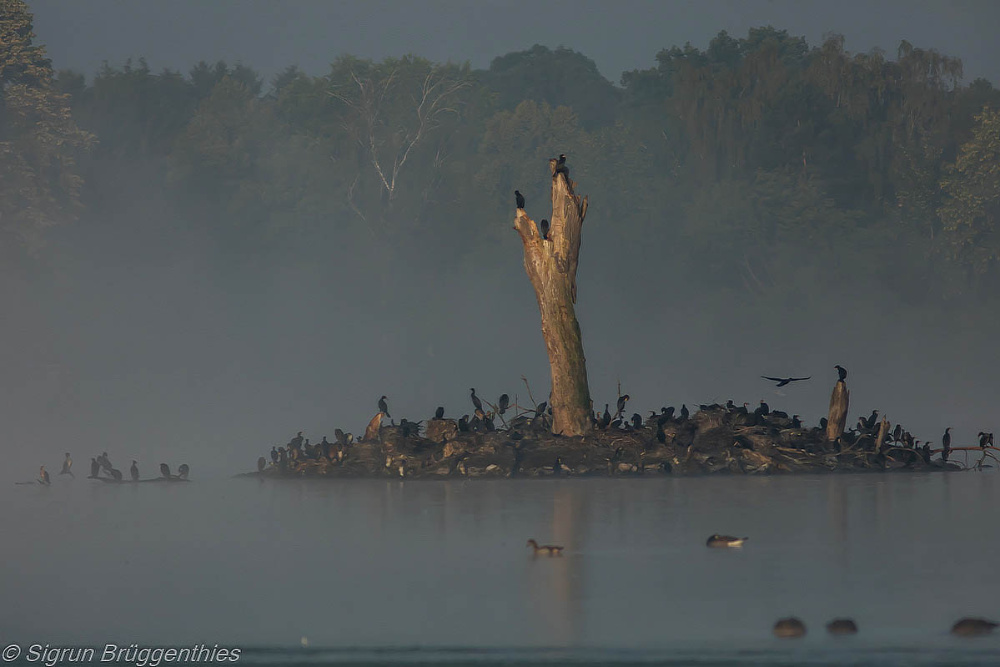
519	198
783	381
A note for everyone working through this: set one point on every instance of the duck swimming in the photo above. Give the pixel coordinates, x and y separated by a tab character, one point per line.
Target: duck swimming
725	541
545	550
789	628
842	626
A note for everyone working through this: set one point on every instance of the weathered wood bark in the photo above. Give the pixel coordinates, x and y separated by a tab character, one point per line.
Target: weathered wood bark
837	419
551	266
883	431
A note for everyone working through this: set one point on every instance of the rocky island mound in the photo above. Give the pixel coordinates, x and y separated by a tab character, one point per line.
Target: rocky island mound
715	439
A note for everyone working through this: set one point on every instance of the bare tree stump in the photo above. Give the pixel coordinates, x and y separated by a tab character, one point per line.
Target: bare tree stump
837	419
883	431
551	266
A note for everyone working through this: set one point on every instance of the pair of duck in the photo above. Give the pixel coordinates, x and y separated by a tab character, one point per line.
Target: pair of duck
715	541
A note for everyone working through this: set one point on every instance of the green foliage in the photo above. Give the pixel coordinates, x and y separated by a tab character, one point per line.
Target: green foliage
39	183
971	211
758	164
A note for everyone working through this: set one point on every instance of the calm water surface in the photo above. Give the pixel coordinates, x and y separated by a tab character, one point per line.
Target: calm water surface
397	572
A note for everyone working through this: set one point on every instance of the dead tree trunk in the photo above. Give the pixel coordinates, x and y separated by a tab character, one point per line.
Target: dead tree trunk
837	419
551	266
883	431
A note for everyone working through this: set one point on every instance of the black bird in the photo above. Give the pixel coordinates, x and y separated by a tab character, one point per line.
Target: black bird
339	436
796	422
95	467
872	419
636	421
134	470
165	470
983	439
544	228
116	474
475	400
261	464
274	454
822	423
621	405
519	198
503	403
763	411
606	419
67	466
383	407
783	381
439	413
842	372
540	408
946	439
43	476
668	412
685	413
183	471
561	167
463	423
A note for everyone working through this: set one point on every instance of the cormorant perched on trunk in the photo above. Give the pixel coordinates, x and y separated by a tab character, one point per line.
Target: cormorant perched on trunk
543	227
783	381
183	471
872	419
763	411
606	419
519	198
463	423
383	407
983	439
946	439
622	400
897	433
261	464
475	400
503	404
339	436
685	413
95	467
134	470
636	421
668	412
561	167
66	466
796	422
842	372
165	470
439	413
43	476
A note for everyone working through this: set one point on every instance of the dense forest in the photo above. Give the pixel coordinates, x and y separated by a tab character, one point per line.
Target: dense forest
762	166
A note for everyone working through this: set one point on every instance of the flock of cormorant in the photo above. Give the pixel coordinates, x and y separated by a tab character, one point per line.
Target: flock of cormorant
485	416
102	464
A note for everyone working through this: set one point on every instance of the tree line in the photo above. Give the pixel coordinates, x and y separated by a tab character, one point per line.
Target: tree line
760	165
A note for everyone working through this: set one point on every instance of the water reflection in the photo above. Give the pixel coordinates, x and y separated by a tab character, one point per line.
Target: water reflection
406	563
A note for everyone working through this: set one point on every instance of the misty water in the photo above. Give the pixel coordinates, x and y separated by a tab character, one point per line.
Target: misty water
374	571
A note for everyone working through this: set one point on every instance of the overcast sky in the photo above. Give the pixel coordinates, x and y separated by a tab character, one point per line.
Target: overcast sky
619	35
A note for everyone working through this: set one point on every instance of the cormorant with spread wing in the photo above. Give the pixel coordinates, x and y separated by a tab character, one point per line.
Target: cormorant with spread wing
783	381
519	198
